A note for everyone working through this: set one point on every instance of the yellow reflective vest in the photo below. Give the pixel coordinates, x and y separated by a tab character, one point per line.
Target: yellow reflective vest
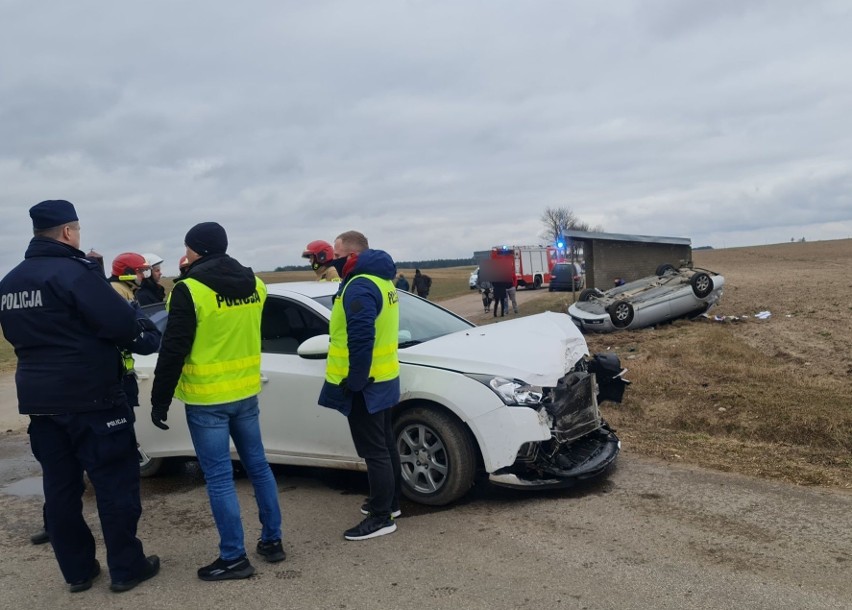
224	363
385	363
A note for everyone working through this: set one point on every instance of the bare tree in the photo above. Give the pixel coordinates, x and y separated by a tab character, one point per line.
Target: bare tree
555	221
559	220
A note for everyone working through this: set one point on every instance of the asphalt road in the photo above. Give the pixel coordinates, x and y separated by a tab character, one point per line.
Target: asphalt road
650	536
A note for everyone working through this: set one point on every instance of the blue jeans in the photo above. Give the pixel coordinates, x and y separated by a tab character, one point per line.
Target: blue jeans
211	426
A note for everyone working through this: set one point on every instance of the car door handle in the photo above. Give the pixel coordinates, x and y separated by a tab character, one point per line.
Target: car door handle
142	376
264	378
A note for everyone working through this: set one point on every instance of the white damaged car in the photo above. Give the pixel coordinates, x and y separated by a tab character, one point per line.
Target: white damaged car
516	400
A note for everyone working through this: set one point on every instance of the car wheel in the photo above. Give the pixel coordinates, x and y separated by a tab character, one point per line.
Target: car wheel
148	466
550	288
588	293
537	282
436	454
702	284
621	314
665	268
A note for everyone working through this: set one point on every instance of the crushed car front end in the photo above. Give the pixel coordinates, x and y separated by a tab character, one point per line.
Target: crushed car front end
581	445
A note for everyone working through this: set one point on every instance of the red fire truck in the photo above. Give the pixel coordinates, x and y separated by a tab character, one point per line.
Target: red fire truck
528	266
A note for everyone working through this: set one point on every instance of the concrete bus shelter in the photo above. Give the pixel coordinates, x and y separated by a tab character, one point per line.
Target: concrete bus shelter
610	256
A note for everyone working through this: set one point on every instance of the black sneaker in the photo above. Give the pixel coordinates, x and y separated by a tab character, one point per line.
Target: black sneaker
40	537
233	569
371	527
152	566
271	551
395	513
85	585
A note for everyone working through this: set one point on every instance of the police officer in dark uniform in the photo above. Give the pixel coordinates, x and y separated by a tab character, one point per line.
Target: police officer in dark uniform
67	325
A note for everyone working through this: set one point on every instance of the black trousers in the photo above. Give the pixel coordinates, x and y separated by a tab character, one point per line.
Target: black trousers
103	444
501	301
372	434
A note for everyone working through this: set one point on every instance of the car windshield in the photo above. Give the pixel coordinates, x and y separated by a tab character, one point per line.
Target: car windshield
419	319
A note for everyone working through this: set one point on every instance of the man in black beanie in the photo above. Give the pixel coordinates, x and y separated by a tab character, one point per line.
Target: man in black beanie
210	360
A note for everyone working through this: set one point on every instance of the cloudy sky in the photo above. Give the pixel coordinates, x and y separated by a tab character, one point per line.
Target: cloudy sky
436	127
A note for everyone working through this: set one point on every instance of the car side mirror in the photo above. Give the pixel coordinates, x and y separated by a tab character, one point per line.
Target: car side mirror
315	348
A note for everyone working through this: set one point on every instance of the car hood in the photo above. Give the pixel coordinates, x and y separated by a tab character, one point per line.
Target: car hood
537	349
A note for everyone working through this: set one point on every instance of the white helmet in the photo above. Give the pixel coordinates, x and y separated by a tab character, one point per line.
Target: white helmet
152	259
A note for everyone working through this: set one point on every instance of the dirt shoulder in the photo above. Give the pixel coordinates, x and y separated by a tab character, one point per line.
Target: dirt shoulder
10	419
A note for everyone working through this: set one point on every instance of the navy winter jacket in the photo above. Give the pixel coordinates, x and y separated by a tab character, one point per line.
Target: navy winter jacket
66	324
362	303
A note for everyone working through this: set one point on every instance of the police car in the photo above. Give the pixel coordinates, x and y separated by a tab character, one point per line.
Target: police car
517	401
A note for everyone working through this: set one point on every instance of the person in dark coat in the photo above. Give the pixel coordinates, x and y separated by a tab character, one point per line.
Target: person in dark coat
150	290
500	298
422	284
402	283
67	324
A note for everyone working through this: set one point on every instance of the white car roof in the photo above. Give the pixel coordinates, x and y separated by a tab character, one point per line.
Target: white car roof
311	289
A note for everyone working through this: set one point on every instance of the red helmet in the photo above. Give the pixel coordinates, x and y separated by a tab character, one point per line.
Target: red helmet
128	263
319	252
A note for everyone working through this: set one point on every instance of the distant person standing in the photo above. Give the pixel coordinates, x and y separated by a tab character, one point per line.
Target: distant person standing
402	283
485	287
66	323
500	289
422	284
210	360
511	291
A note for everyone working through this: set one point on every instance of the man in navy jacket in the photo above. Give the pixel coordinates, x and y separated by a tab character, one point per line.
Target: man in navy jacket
67	325
362	373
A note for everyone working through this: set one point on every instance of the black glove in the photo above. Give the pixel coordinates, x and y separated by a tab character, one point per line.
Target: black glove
145	324
160	415
347	391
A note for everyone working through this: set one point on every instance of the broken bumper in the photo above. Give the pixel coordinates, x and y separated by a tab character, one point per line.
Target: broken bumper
586	458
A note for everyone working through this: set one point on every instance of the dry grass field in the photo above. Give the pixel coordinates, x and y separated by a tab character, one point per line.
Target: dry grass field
770	398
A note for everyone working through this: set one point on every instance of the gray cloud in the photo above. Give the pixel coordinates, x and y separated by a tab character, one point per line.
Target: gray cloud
438	128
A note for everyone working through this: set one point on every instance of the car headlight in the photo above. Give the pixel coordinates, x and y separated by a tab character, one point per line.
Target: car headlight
511	391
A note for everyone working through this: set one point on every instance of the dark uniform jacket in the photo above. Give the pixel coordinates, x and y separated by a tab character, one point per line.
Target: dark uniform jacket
66	324
362	303
222	274
150	292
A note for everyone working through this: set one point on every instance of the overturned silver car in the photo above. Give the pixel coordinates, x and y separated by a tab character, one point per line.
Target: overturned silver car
669	294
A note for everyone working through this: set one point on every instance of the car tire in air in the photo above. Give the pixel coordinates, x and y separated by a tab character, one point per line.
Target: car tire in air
588	293
621	314
437	456
665	268
702	284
